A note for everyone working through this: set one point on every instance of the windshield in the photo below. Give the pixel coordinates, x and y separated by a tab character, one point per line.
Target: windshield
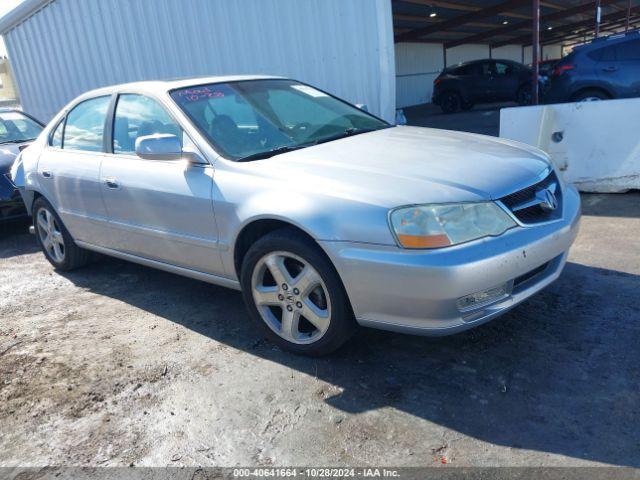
16	127
255	119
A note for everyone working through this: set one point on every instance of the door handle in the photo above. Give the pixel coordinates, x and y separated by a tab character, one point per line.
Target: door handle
610	69
47	174
111	182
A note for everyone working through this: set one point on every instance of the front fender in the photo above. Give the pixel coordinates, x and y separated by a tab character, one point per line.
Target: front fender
323	217
241	199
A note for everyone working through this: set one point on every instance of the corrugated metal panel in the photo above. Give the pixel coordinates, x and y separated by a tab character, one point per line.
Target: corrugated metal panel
71	46
417	66
508	52
466	52
548	52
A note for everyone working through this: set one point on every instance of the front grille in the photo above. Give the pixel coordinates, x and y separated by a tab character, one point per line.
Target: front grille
530	205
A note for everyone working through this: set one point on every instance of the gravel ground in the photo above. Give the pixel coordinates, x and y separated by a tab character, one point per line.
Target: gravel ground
117	364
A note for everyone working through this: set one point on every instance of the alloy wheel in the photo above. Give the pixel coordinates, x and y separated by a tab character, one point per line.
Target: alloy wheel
591	99
291	297
50	235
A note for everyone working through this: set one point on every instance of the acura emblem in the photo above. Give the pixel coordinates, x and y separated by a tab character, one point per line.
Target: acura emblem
548	200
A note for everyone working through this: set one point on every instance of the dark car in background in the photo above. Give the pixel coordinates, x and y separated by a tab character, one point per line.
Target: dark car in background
462	86
17	130
608	67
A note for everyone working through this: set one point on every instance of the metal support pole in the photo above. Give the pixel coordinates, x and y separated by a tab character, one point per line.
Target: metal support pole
626	29
598	16
535	45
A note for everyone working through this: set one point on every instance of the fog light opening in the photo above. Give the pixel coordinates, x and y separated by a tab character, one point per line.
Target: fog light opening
484	297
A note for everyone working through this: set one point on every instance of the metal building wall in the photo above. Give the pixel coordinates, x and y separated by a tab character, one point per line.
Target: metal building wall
417	66
71	46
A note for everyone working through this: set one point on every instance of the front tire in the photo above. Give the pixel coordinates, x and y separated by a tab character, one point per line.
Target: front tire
54	238
294	294
590	96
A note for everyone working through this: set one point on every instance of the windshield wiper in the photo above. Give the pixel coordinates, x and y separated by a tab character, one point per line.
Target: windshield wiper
17	141
349	132
271	153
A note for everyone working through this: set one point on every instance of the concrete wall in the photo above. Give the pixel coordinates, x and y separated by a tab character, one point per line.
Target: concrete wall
70	46
594	144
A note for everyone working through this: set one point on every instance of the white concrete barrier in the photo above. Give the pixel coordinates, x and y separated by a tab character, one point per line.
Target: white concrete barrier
595	144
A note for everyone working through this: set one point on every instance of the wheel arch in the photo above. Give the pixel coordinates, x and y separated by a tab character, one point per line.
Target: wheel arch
598	88
257	228
29	197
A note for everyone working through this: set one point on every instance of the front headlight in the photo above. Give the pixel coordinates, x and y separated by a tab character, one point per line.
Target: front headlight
443	225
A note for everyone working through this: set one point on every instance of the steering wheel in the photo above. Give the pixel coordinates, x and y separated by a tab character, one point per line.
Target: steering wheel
303	130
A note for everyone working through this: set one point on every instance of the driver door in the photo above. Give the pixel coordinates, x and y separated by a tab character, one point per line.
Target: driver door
160	210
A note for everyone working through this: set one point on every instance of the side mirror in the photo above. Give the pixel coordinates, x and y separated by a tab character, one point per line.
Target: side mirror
162	146
363	107
159	147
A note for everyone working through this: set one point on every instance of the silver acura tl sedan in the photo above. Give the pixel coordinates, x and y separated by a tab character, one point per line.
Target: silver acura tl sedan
324	216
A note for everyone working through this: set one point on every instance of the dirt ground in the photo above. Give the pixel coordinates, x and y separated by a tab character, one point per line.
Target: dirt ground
118	364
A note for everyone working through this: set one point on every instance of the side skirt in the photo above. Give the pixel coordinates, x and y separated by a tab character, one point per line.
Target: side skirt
185	272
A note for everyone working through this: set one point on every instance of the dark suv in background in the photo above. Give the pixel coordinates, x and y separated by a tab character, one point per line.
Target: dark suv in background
608	67
461	86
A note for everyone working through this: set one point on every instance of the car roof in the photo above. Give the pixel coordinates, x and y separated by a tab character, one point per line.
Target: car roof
473	62
608	40
162	86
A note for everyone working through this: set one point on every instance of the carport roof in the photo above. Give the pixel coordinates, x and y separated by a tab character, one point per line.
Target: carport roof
503	22
456	22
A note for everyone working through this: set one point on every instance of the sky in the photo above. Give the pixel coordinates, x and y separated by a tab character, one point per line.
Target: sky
5	7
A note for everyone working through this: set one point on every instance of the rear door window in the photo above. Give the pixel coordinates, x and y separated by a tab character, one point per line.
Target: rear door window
606	54
84	129
503	69
468	70
487	69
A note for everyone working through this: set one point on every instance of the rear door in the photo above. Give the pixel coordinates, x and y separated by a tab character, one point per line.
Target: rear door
506	79
69	170
160	210
618	67
483	81
628	73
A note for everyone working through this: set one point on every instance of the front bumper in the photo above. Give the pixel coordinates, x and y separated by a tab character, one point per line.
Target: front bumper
414	291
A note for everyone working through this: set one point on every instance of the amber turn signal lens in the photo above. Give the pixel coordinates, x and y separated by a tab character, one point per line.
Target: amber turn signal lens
421	241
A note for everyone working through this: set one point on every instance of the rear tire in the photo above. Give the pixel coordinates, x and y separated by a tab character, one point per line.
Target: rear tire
54	238
451	102
294	294
590	96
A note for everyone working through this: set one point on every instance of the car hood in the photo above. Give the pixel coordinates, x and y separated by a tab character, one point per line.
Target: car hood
8	153
406	165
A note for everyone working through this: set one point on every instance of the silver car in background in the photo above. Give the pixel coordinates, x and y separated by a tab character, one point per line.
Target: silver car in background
324	216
